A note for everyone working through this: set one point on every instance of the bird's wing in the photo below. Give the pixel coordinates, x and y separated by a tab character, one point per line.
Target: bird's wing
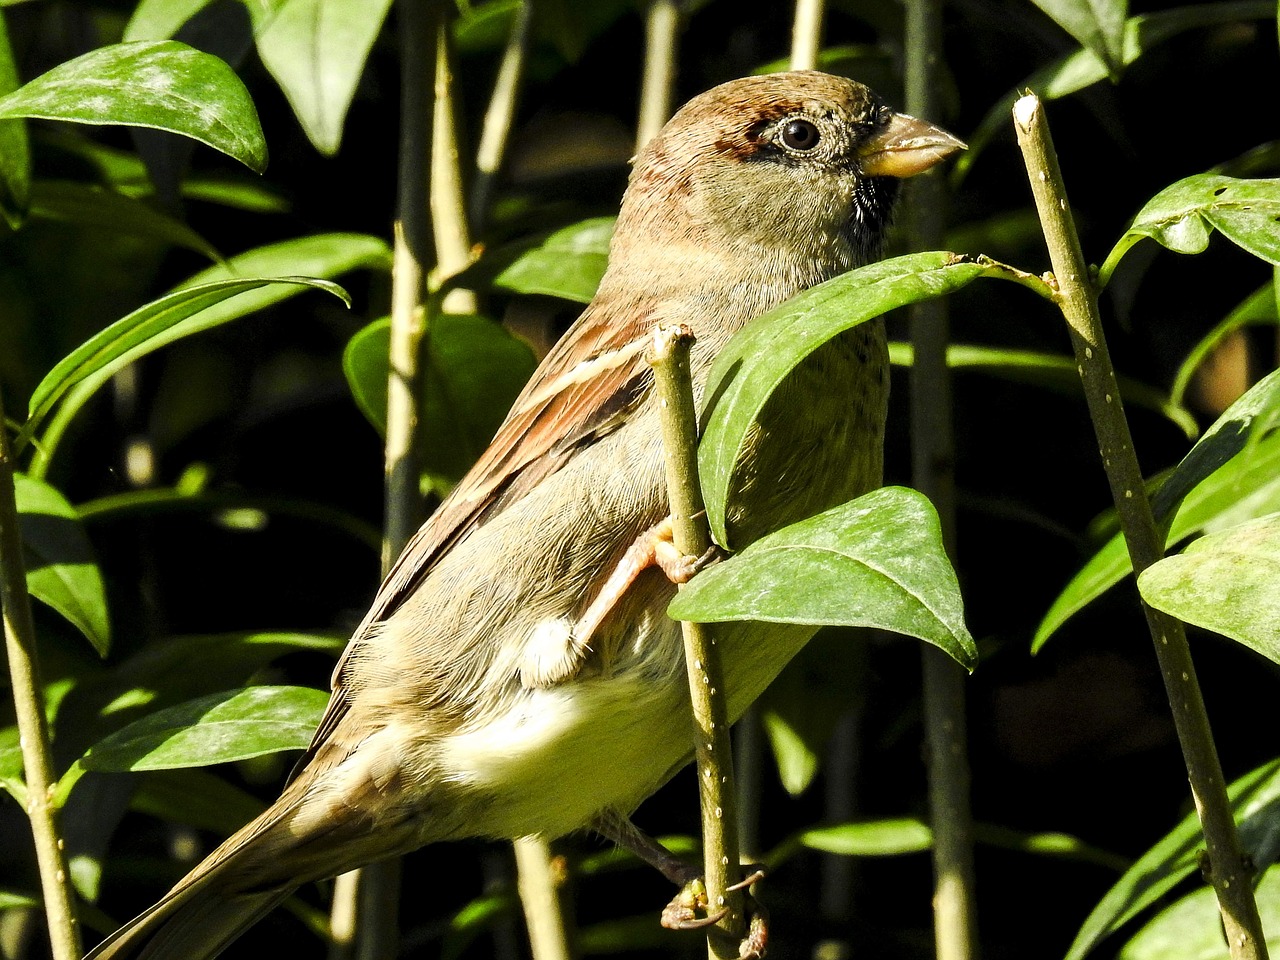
580	392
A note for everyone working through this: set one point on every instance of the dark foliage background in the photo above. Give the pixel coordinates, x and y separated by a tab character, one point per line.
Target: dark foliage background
1076	739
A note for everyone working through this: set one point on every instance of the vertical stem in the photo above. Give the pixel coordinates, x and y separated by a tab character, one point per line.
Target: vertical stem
500	115
540	898
657	89
1226	869
448	199
712	747
33	730
363	918
933	473
806	34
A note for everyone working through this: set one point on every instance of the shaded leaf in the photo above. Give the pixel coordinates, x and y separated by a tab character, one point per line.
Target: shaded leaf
223	727
61	569
164	85
1258	308
160	19
1228	582
877	561
1255	801
196	798
15	152
316	50
760	356
567	264
87	205
1097	24
474	370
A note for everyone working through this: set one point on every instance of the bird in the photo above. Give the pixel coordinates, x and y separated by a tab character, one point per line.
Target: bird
517	674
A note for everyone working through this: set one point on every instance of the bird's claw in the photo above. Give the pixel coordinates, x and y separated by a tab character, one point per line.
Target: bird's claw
681	568
688	911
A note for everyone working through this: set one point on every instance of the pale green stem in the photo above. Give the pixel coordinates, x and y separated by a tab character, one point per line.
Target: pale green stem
448	198
657	89
933	473
538	882
1226	867
806	34
33	729
712	747
500	115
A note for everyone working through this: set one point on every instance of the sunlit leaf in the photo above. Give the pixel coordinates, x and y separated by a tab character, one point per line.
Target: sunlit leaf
1228	582
1255	801
220	728
160	19
1183	215
1097	24
875	838
164	85
877	561
15	154
61	569
567	264
760	356
316	50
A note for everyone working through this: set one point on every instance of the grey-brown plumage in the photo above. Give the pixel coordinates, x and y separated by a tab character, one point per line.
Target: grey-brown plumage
466	704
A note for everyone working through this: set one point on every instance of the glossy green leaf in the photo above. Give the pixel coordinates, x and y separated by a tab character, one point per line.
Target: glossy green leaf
567	264
877	561
173	316
15	152
1097	24
321	255
12	776
1228	477
61	569
1183	215
1055	371
475	370
1191	928
90	206
1255	801
760	356
164	85
1259	307
316	50
1228	582
160	19
1083	68
234	725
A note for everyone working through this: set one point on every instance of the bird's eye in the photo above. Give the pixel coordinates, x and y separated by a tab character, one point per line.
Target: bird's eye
800	135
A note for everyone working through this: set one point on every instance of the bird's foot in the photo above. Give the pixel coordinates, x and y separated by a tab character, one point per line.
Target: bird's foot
690	910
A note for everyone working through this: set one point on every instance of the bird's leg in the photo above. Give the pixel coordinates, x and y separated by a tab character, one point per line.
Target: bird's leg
688	909
653	548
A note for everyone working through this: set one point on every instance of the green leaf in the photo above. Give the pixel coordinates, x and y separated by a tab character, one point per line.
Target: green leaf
323	255
796	758
1228	582
1083	68
61	569
1054	371
12	773
15	152
761	355
87	205
1097	24
164	85
1255	801
15	899
875	838
1258	308
197	798
1183	215
173	316
1191	928
567	264
316	50
877	561
235	725
160	19
1228	477
474	370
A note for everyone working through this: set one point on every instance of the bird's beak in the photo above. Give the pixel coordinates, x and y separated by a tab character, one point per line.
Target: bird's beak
905	147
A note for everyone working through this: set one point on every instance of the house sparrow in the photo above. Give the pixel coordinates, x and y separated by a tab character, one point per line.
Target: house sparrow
497	688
